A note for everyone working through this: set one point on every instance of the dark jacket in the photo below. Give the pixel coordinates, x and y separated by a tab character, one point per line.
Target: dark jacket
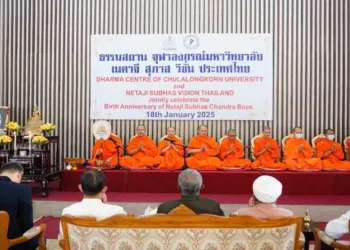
16	200
196	204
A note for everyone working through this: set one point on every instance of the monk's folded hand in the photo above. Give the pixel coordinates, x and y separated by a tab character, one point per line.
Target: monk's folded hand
99	151
333	148
301	147
232	148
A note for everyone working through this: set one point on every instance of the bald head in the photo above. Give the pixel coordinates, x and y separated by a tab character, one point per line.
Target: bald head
231	134
141	130
267	131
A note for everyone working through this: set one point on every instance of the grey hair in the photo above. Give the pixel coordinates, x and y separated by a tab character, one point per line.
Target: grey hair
190	182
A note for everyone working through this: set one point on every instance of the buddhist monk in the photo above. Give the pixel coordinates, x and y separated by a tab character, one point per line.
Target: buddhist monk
141	151
298	153
170	152
105	154
267	153
203	150
232	153
331	153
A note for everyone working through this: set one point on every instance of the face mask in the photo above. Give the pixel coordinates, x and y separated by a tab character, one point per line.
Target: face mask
330	137
299	136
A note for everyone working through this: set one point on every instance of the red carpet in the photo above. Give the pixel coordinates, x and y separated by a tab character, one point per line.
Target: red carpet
217	182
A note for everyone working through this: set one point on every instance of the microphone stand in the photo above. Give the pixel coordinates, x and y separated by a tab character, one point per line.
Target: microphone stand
184	154
118	164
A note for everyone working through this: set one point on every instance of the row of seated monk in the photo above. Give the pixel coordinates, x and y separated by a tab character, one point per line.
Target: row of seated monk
204	153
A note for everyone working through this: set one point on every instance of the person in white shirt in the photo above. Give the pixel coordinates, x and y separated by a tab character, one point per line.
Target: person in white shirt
93	186
338	227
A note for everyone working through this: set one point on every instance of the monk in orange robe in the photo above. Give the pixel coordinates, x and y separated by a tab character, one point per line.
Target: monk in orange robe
232	153
141	151
298	153
170	150
203	150
267	153
331	153
105	152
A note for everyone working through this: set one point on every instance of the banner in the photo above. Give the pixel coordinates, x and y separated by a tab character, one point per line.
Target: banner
182	77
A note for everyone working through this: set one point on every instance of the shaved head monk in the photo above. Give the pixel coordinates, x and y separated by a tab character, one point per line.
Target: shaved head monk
170	152
232	153
141	151
331	152
203	150
298	153
267	152
104	152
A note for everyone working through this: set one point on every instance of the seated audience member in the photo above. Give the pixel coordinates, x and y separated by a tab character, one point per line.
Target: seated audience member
141	151
267	152
171	152
331	153
203	150
338	227
93	186
266	190
232	153
190	185
16	200
298	153
105	153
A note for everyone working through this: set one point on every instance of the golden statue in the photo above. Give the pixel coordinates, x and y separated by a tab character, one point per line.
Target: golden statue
34	122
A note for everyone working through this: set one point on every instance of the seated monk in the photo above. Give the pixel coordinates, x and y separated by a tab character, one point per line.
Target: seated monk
331	153
267	153
298	153
170	150
203	150
231	152
105	152
141	151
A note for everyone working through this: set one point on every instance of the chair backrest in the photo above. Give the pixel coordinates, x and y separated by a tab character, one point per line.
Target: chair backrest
252	144
224	137
181	229
316	140
285	139
4	224
347	147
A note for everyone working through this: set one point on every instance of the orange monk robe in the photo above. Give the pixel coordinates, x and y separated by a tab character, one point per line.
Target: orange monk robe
267	160
205	160
141	159
296	160
234	159
109	150
171	159
332	161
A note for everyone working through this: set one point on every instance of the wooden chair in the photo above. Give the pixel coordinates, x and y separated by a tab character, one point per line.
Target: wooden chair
284	141
180	229
321	236
6	243
316	140
347	147
252	144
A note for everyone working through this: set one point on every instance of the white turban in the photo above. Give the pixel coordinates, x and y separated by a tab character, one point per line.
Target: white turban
267	189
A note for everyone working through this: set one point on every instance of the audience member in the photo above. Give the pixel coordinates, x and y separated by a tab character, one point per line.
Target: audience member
338	227
266	190
93	186
16	200
190	184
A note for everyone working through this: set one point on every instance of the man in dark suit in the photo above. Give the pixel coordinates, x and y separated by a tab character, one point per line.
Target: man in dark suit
16	200
190	183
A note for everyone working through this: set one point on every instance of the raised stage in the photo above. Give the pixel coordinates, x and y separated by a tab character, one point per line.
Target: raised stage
216	182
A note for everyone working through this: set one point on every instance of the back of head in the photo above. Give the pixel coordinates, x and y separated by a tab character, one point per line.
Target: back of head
92	182
190	182
10	168
267	189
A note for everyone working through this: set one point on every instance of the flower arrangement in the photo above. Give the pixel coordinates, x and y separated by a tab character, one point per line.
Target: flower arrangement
40	140
48	127
5	139
13	126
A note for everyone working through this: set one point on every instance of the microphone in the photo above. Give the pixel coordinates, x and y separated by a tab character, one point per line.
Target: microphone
167	139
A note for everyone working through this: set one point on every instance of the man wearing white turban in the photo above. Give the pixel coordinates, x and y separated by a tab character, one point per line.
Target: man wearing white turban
266	190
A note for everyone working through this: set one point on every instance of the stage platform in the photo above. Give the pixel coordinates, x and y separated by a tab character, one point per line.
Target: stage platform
216	182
